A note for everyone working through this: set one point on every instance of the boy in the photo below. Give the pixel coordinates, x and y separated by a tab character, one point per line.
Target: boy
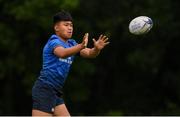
58	55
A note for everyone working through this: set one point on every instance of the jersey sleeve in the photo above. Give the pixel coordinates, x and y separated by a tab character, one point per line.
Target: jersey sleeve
55	43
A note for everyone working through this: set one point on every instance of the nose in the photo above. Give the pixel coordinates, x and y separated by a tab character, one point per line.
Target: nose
70	27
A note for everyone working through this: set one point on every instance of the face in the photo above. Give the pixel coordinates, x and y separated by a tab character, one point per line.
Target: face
64	29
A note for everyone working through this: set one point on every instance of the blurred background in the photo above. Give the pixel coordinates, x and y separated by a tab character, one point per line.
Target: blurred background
134	75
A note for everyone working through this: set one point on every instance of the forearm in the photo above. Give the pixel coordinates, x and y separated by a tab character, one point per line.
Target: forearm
89	52
66	52
93	52
73	50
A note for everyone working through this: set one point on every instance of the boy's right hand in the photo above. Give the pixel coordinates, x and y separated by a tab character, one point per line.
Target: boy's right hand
85	40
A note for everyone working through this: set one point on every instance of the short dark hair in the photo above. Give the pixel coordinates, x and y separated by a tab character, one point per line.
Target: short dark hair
62	16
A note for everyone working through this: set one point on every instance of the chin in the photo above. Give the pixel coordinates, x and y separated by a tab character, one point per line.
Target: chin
69	36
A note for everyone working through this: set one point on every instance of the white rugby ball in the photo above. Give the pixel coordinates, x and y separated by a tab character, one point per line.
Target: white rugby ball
140	25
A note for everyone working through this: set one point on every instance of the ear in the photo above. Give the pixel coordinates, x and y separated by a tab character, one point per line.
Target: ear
56	28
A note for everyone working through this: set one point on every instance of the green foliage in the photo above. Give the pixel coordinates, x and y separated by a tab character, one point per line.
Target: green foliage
24	26
134	75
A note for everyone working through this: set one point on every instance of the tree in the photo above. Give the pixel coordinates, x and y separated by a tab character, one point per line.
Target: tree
134	75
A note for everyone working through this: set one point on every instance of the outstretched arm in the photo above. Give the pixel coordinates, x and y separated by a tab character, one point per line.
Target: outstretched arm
66	52
98	46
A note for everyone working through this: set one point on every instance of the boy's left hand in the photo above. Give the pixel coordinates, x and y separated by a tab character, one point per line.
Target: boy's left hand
101	42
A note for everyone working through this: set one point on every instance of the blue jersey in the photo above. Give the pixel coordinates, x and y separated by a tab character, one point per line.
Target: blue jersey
55	69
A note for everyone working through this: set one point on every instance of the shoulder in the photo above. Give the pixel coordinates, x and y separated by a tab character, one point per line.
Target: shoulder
54	41
53	38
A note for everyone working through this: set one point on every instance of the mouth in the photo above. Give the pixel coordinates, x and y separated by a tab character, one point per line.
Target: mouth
70	33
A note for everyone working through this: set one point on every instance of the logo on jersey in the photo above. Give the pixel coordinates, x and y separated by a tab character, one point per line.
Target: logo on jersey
66	60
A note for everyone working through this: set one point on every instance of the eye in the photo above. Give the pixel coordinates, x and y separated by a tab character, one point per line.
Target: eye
65	24
68	24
